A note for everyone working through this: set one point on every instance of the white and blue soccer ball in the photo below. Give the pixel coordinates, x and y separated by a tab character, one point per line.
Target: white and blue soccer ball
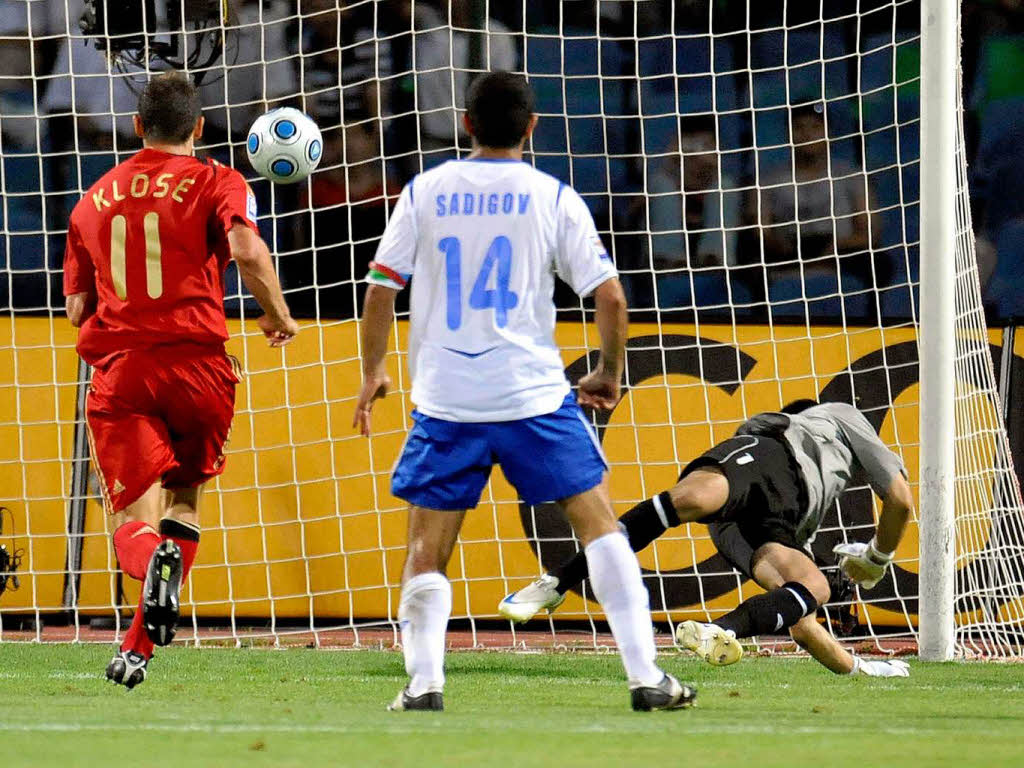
284	145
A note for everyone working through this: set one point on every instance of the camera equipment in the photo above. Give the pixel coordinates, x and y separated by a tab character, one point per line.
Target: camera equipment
182	34
10	559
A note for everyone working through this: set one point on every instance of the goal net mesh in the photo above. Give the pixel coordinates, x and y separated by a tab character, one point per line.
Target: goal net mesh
754	174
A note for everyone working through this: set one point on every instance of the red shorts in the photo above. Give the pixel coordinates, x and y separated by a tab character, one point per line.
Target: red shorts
160	414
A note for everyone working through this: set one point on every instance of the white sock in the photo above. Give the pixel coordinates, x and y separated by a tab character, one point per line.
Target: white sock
423	618
617	584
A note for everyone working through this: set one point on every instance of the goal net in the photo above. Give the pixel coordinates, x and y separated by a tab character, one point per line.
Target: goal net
754	173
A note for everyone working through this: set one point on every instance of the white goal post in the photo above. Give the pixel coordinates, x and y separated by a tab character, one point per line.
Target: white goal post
783	187
940	66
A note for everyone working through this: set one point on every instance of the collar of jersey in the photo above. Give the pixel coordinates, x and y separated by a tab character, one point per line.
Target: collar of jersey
161	153
487	160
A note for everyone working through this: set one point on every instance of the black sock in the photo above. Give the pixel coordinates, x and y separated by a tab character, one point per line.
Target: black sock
642	525
771	612
175	529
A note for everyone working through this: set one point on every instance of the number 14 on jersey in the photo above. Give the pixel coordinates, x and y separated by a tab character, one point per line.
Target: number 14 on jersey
500	298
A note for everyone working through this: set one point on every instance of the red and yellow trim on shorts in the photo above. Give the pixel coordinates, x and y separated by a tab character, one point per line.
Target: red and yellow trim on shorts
236	367
108	505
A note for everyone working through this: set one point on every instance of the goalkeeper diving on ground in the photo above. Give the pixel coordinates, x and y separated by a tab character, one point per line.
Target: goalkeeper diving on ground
762	494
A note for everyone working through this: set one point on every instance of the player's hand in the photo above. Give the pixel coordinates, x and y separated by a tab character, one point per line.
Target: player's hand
882	668
374	388
863	563
599	389
278	331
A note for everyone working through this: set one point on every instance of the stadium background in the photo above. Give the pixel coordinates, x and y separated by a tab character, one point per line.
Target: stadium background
359	88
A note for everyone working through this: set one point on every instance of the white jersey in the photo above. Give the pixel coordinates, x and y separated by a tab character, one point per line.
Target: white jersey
483	240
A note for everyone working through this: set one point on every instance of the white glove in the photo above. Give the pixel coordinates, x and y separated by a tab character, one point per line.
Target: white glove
863	563
883	668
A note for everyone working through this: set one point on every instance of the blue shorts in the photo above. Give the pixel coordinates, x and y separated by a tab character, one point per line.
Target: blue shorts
446	464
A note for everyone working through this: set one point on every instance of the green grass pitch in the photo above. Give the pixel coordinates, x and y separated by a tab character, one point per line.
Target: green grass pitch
297	707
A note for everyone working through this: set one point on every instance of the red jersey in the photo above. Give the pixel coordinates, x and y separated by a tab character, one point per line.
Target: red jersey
149	240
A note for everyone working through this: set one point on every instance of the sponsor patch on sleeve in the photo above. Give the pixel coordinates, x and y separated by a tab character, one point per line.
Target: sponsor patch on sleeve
250	204
598	248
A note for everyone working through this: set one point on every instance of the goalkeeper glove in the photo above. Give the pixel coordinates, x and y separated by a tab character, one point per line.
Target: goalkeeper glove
862	562
887	668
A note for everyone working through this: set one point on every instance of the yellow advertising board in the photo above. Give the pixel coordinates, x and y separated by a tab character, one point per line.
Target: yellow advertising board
302	521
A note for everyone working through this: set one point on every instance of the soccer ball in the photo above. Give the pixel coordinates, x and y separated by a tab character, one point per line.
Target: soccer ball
284	145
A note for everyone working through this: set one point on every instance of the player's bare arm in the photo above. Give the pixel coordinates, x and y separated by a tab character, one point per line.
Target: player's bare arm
865	564
257	272
600	387
774	566
378	314
896	508
79	307
80	280
823	648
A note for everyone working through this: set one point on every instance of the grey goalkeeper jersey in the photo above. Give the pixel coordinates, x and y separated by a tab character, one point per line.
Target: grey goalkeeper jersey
835	445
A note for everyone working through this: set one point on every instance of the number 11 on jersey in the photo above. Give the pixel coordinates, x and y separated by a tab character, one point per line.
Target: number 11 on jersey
118	260
500	298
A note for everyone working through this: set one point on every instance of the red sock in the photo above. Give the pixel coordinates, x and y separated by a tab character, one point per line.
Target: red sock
187	538
134	543
136	639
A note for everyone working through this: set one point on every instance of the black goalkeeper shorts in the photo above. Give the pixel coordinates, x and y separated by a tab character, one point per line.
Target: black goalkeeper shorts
766	500
732	546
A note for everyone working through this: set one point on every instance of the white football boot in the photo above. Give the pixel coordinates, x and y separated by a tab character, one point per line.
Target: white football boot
532	599
127	668
715	645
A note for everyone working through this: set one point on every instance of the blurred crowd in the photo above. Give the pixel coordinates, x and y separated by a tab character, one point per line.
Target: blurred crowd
770	167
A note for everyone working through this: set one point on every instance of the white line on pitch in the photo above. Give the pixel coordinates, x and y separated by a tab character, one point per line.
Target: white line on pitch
394	727
561	679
